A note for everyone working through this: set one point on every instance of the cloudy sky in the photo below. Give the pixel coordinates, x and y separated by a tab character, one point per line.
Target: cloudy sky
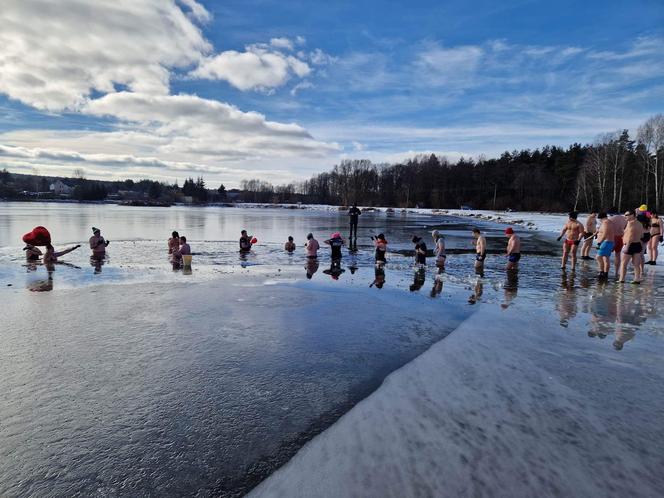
279	90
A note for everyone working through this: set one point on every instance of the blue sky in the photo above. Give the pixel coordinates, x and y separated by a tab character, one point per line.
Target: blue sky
281	90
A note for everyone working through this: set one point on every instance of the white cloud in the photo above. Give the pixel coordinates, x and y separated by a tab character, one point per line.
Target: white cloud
445	66
54	54
282	43
301	86
196	10
258	68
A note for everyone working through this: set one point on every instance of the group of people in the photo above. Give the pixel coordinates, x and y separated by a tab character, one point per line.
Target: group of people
629	237
40	236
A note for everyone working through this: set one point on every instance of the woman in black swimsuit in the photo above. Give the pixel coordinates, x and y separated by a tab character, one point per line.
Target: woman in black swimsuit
655	237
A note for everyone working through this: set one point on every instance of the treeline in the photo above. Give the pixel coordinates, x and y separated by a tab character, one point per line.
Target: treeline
616	170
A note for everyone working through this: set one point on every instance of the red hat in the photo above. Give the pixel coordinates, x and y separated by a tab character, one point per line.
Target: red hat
38	237
509	231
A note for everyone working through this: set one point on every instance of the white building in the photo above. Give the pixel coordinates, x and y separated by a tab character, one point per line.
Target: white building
60	188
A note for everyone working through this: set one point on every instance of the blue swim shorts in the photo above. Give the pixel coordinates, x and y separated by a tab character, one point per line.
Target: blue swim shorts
605	248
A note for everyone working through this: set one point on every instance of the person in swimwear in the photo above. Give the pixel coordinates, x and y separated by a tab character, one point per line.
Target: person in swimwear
381	248
604	245
289	246
185	248
480	248
245	241
644	219
439	249
311	246
174	243
335	242
32	253
513	249
590	231
98	244
420	251
632	248
51	256
619	222
655	237
573	232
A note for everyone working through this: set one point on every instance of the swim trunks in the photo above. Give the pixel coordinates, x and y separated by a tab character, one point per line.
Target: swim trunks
480	257
617	244
633	248
514	257
605	248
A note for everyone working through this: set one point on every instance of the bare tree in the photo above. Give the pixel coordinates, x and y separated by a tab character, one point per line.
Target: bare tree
651	138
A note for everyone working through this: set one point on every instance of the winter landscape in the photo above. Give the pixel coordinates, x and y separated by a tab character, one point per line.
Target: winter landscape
308	249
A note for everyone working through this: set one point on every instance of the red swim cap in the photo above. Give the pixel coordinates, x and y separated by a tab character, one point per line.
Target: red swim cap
509	231
38	237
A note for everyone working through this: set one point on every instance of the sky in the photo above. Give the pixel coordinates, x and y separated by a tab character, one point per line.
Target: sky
282	90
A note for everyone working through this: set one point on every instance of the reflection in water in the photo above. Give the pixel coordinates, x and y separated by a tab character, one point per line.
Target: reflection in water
438	283
611	309
335	270
419	278
511	287
379	277
97	261
311	267
479	290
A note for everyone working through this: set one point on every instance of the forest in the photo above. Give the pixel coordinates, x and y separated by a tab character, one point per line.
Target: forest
615	170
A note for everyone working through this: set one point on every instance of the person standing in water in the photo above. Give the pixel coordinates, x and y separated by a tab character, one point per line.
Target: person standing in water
51	255
185	249
174	243
573	232
289	246
439	249
420	251
655	237
618	222
605	245
381	248
353	214
311	246
97	243
32	253
480	249
245	241
513	249
632	248
335	242
590	231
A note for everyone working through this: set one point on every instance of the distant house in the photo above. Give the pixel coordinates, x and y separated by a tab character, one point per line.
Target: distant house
60	188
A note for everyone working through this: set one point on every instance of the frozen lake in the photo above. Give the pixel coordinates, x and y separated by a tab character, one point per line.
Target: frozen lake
141	380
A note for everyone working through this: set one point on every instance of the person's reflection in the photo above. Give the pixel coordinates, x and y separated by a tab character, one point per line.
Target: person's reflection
567	308
479	290
335	270
379	277
511	287
43	285
437	283
97	261
419	278
311	267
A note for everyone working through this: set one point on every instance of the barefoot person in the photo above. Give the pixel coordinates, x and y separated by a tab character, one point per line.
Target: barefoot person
439	249
590	231
513	249
632	248
97	243
336	243
480	248
311	246
420	251
51	255
289	246
655	237
618	222
573	231
245	241
605	245
381	248
174	243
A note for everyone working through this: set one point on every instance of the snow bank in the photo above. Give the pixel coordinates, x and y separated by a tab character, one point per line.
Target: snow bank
490	411
546	222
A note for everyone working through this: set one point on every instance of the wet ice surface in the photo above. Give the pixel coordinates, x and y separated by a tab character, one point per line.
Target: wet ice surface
174	384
